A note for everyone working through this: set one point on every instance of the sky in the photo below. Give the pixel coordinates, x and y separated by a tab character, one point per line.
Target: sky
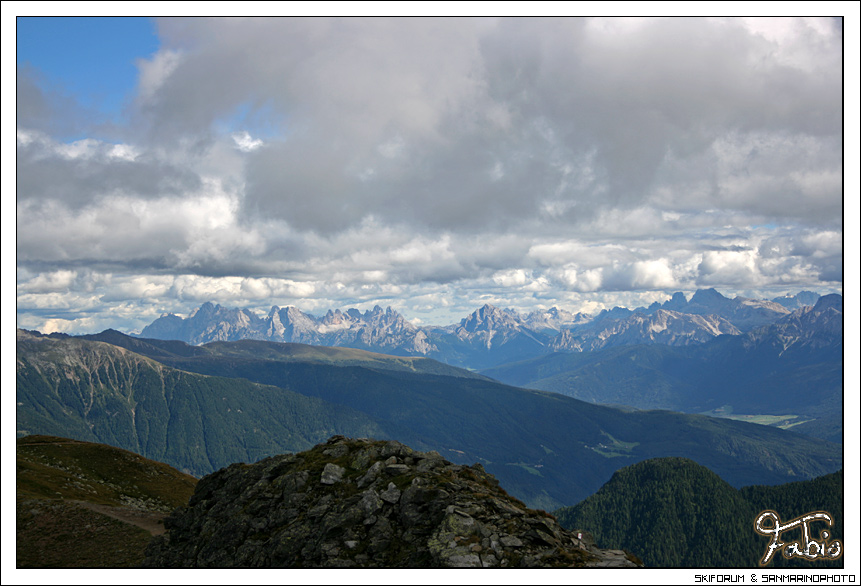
431	165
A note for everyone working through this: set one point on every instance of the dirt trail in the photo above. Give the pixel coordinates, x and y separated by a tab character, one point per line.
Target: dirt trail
148	520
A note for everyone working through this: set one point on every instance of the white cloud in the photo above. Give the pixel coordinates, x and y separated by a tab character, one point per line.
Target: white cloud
653	274
55	281
436	164
245	143
728	267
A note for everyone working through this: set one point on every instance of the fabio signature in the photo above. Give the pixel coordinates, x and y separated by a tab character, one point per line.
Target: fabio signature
769	523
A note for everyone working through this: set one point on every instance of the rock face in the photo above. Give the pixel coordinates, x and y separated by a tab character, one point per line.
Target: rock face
366	503
383	330
490	336
663	326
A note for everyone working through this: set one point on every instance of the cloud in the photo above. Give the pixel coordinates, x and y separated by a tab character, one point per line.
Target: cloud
81	172
51	282
728	267
437	163
465	125
245	143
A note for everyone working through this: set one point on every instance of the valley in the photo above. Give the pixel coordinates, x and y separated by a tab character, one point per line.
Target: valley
236	405
545	435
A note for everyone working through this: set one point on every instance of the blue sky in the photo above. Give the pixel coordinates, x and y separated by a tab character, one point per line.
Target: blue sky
92	59
432	165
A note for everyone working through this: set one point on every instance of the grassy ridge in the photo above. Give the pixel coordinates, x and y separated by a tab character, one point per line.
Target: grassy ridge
207	357
80	504
54	467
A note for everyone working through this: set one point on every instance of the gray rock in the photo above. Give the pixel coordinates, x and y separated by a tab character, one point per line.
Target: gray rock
371	502
464	561
332	473
371	475
397	469
269	515
510	541
392	494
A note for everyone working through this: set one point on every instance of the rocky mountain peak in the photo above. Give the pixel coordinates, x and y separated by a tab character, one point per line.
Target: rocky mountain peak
833	301
708	297
677	302
366	503
205	310
333	317
801	299
489	317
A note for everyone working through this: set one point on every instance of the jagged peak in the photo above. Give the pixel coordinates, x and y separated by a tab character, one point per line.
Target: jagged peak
832	300
206	309
707	295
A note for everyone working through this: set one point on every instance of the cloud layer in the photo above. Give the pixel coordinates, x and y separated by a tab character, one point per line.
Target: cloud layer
435	164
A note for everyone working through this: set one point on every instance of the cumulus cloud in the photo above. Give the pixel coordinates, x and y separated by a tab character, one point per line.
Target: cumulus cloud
439	163
460	124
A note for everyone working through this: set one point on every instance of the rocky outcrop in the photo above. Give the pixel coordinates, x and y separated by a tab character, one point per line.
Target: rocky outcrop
366	503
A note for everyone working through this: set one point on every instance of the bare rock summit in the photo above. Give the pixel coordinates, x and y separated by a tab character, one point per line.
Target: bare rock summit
366	503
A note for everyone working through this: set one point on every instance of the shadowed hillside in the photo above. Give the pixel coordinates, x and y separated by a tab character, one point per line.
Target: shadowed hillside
80	504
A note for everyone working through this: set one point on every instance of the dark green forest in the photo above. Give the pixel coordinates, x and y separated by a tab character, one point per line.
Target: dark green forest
675	513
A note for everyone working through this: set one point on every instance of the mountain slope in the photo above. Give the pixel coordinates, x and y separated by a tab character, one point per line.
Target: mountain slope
680	514
550	450
81	504
194	358
791	367
98	392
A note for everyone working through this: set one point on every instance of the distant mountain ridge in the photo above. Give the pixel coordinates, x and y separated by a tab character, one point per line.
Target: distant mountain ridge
490	335
791	367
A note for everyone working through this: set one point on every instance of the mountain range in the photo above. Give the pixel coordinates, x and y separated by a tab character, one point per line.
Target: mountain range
551	403
791	369
199	408
489	336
